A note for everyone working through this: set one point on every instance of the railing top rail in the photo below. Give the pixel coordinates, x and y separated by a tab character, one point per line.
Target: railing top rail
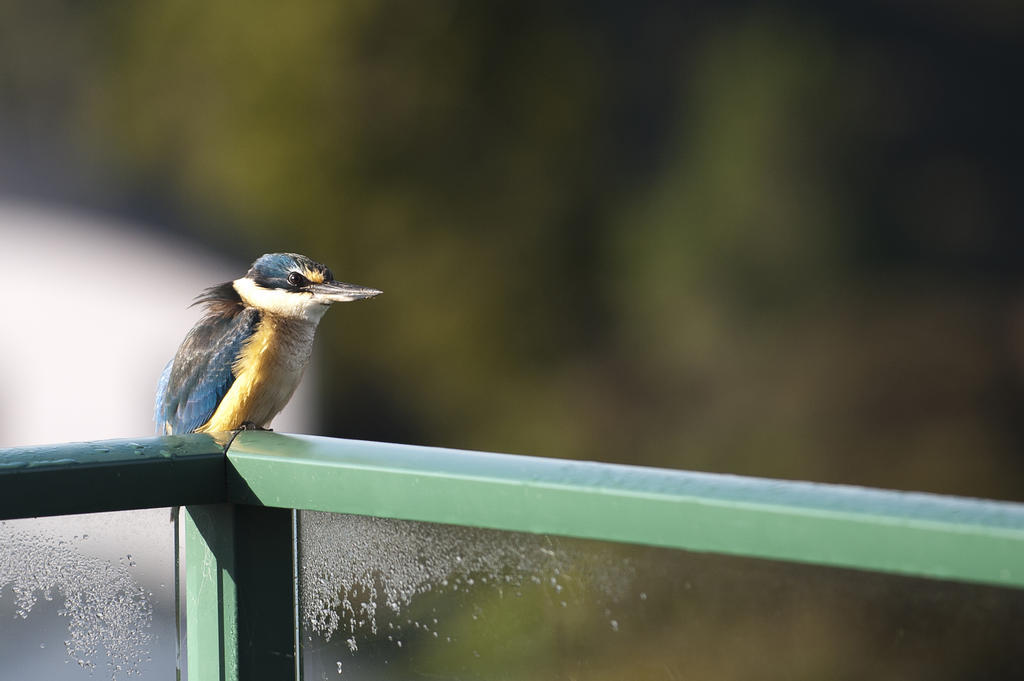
912	533
111	475
904	532
307	452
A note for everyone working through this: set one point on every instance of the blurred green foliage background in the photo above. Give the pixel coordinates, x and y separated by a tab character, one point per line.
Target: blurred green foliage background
779	239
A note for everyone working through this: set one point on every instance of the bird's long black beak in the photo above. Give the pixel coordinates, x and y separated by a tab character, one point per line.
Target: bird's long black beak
340	292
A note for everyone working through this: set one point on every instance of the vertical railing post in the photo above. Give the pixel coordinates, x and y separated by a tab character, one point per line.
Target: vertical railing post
240	606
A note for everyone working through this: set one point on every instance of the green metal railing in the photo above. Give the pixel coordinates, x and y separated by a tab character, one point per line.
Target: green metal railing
241	494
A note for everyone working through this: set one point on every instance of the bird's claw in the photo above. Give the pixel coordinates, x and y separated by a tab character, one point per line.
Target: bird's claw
249	425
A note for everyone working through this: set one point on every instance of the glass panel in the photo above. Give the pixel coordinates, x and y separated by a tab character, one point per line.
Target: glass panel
88	596
385	599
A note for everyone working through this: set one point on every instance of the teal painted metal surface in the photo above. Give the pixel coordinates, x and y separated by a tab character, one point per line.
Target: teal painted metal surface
111	475
908	533
266	607
211	597
239	562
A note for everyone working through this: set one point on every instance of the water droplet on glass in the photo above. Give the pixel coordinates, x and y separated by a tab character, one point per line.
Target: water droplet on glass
360	574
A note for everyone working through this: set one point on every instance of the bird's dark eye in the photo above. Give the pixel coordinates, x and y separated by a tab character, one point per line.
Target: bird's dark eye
328	276
296	279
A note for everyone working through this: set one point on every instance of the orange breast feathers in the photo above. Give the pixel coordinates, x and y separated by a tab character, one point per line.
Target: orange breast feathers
267	372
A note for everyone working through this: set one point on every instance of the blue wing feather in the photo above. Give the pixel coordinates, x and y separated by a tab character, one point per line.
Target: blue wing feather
161	395
196	380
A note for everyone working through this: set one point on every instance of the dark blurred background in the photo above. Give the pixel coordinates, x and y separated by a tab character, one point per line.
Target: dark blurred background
776	238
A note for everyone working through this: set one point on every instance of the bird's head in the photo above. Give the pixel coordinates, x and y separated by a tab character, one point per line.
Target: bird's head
292	285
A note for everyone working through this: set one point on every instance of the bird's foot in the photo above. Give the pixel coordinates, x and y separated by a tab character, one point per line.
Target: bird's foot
249	425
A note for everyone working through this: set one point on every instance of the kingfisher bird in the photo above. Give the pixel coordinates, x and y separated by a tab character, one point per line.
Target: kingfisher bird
239	365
